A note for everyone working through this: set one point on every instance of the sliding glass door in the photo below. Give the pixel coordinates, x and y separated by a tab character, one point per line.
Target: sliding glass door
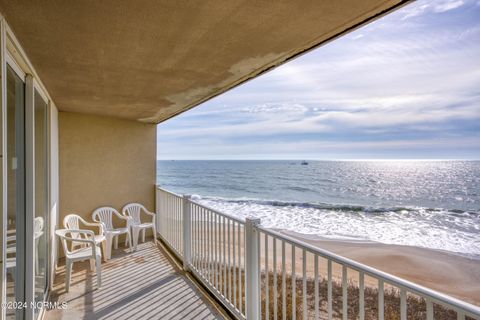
15	237
27	183
25	235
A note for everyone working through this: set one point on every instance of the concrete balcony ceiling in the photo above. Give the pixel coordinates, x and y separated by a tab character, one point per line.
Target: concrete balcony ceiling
149	60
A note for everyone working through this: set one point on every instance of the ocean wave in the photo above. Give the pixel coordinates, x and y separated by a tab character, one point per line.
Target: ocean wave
337	207
455	231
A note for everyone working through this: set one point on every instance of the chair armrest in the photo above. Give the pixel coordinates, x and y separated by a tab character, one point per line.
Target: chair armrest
127	219
100	225
149	213
66	235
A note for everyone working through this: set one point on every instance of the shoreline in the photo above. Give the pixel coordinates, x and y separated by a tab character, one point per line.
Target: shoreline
448	273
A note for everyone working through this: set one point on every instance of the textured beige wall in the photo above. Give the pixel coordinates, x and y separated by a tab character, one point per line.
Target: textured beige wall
104	161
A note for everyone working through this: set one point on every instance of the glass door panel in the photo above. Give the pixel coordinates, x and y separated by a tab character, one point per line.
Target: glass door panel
15	189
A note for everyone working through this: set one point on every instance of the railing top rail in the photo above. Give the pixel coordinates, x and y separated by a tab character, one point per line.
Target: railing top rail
226	215
396	281
169	192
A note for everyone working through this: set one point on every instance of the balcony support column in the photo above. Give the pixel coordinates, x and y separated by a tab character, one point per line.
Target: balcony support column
252	252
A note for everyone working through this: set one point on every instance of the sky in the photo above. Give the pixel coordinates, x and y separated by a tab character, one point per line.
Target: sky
406	86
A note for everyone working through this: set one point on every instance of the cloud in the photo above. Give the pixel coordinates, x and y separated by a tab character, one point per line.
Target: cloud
406	82
432	6
414	11
450	5
358	36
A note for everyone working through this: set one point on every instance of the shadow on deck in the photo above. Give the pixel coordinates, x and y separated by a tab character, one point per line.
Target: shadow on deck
145	284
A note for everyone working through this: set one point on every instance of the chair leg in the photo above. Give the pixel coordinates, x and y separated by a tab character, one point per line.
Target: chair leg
116	242
127	240
92	264
108	240
104	250
68	275
129	236
135	238
154	233
99	271
143	235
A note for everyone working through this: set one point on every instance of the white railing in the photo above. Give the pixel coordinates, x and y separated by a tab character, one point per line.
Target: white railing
170	220
258	273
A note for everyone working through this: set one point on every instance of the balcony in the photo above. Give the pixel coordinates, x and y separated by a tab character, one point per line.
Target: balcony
258	273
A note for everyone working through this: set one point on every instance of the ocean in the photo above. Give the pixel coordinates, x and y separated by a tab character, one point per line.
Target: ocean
431	204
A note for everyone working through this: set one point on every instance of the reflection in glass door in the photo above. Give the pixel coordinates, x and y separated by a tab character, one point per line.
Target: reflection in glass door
15	189
41	207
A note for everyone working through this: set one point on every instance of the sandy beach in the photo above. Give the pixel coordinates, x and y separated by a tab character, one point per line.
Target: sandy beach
445	272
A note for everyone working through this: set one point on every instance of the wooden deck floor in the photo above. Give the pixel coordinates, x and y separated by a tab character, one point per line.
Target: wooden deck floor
140	285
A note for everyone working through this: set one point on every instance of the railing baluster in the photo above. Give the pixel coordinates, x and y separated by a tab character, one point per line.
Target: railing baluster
429	303
209	247
267	283
211	274
171	221
194	208
207	260
361	288
284	284
216	251
344	293
180	226
204	244
403	304
167	219
294	286
315	270
381	294
175	223
240	290
224	263
275	289
329	289
259	272
304	279
199	239
229	284
460	315
234	265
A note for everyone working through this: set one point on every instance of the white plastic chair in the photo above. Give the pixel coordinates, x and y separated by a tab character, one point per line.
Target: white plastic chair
91	251
104	215
75	222
134	211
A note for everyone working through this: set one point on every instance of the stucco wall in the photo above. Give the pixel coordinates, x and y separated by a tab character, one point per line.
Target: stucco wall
104	161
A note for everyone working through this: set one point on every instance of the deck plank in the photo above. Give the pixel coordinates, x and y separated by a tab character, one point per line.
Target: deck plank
140	285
